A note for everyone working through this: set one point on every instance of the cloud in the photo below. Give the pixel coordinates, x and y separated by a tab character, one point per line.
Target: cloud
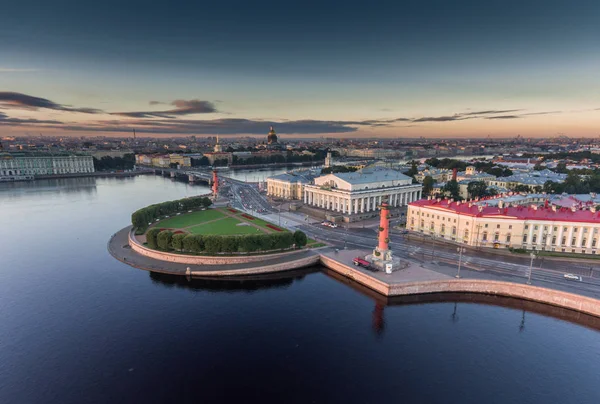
456	117
503	117
157	103
490	112
13	100
5	120
182	107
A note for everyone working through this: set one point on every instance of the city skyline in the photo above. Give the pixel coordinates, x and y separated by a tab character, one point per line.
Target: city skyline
396	70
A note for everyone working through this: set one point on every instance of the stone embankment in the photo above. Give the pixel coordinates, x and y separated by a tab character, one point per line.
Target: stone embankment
553	297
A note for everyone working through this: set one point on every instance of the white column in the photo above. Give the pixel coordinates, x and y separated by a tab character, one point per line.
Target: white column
570	236
362	205
530	235
580	236
305	198
559	236
540	238
590	236
356	206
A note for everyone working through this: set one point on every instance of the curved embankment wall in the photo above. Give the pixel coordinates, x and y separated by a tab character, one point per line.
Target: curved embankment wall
200	259
553	297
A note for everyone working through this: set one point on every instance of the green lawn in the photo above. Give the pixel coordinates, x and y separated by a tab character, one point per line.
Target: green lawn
226	226
189	219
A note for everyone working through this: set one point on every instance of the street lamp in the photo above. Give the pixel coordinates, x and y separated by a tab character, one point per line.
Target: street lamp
532	255
460	251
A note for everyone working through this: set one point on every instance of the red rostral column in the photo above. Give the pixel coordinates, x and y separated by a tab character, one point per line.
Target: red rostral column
384	227
215	187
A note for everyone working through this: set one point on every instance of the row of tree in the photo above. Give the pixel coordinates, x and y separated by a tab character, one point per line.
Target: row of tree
214	244
108	163
338	169
142	218
488	167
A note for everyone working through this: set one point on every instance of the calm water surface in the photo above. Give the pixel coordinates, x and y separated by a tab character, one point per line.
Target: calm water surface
77	326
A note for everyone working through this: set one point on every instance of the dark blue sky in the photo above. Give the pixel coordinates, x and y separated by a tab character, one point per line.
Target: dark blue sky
324	61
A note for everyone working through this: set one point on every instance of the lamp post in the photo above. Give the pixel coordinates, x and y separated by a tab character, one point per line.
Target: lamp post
460	251
532	255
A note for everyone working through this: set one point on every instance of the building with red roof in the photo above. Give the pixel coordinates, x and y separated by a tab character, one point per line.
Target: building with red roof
496	224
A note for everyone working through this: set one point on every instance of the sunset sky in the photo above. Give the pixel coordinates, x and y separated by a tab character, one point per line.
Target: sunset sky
311	68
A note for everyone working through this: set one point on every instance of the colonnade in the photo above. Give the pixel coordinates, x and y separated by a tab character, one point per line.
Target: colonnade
353	204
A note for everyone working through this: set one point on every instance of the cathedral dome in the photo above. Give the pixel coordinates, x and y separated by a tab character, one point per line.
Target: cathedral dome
272	136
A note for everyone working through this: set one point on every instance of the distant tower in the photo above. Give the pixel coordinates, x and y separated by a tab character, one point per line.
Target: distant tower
272	136
328	160
215	185
218	148
133	133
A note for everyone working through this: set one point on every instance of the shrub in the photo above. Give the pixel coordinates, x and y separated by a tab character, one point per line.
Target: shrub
151	237
177	241
300	238
164	240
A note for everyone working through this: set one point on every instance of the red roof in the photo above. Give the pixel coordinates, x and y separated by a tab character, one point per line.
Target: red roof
513	212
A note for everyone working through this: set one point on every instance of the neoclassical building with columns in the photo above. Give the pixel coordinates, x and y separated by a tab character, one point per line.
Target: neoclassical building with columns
357	195
482	223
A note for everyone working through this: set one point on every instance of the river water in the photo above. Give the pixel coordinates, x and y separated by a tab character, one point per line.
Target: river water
77	326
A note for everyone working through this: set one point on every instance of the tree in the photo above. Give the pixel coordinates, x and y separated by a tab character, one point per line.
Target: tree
428	182
177	241
521	188
477	189
452	189
151	236
164	240
538	166
414	170
300	238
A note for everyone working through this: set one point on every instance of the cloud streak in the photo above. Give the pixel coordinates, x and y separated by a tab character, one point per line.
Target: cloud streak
182	107
12	100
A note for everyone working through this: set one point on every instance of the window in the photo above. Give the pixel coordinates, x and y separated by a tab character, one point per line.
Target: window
431	226
510	226
555	228
508	238
466	236
484	238
564	241
584	230
535	227
497	226
553	239
524	238
573	241
467	223
564	229
422	223
443	228
496	236
594	242
574	229
534	238
583	242
486	225
526	227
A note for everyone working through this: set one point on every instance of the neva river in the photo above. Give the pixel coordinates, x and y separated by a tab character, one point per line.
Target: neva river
77	326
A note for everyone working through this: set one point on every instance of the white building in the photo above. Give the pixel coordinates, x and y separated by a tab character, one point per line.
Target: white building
361	192
14	166
288	185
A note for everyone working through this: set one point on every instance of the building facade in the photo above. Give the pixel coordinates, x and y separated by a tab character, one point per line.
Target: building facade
287	186
361	192
533	227
15	166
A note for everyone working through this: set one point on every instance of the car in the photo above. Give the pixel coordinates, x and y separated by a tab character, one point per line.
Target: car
572	277
403	231
360	262
333	225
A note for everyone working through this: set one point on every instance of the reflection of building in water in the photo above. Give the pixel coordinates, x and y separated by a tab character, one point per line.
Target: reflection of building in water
378	319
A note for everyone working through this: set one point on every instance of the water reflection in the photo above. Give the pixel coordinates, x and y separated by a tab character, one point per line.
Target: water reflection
231	285
85	185
380	302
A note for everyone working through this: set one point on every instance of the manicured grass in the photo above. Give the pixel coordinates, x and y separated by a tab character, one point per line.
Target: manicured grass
190	219
226	226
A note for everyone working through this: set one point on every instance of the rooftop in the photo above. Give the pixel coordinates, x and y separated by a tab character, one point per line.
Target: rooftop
368	176
484	210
